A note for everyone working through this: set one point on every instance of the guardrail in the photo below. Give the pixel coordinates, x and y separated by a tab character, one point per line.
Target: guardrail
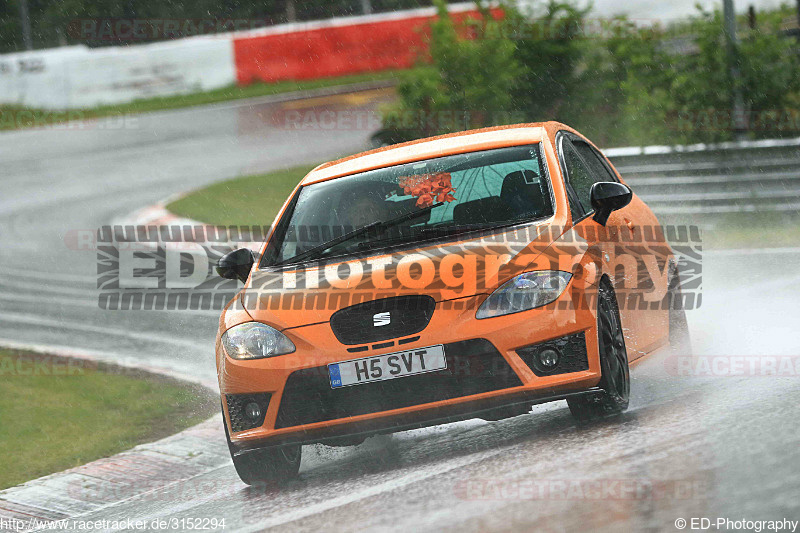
743	177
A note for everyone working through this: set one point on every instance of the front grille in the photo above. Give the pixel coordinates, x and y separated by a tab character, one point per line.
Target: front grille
572	350
473	367
383	319
236	404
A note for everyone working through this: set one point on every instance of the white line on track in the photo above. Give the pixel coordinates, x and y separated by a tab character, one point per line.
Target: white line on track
111	358
50	289
49	276
429	471
28	298
375	490
89	328
93	303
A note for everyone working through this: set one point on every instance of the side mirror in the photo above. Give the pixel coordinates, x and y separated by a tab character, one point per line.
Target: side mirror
607	197
236	264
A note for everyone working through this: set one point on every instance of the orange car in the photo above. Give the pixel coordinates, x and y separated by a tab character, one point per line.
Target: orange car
465	276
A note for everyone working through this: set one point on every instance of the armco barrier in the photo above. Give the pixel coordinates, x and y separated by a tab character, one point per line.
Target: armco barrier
712	180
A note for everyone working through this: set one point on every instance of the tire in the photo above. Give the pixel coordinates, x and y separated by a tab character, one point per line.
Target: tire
266	466
679	340
615	373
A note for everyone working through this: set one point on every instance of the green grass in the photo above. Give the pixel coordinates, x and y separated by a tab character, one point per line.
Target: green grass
245	201
54	417
16	117
754	230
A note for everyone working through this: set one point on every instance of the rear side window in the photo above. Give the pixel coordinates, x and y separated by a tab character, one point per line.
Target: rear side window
580	177
599	170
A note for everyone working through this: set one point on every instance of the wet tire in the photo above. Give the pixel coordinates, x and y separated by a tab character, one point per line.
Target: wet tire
269	466
615	379
679	340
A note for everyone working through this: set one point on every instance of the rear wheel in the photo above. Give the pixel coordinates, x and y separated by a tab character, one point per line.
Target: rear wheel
615	379
265	466
679	340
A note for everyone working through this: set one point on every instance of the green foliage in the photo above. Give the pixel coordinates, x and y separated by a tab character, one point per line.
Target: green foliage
470	82
549	50
620	85
703	88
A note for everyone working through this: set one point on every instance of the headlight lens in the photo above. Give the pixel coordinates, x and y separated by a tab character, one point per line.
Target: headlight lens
524	292
254	340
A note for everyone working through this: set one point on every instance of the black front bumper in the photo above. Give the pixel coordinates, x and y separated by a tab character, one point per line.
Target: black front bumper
473	367
483	408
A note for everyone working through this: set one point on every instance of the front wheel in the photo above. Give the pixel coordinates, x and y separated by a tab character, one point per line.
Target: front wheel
615	379
265	466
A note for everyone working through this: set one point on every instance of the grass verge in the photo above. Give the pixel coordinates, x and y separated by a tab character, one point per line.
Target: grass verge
245	201
753	230
60	413
16	117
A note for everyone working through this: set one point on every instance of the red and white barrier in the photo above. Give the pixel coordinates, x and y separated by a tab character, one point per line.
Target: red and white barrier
79	77
339	46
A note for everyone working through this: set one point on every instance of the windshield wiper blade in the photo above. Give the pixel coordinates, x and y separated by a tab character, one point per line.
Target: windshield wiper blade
378	227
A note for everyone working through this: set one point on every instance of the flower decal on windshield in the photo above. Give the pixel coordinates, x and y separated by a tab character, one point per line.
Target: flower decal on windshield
428	188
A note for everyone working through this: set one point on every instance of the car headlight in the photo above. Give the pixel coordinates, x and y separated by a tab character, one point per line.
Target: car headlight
524	292
254	340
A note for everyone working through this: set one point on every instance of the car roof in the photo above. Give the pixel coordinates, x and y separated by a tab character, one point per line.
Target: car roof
443	145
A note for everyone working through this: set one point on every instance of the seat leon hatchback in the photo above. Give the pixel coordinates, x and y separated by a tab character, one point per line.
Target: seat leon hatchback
471	275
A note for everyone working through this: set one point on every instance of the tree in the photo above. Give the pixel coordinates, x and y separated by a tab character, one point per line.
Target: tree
464	83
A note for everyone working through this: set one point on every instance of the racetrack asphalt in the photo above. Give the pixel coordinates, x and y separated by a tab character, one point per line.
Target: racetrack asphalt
694	444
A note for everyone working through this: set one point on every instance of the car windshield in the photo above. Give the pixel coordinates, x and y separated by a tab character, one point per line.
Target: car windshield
425	200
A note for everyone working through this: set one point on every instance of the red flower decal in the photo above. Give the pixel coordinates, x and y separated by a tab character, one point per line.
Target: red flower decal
428	188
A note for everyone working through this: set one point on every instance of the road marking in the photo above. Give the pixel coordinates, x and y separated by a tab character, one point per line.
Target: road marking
93	303
50	276
352	99
427	472
89	328
110	358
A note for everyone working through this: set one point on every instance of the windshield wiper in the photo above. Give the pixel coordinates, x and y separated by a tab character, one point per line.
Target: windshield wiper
430	234
378	227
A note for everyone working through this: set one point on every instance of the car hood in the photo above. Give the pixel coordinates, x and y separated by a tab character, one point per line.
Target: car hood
289	298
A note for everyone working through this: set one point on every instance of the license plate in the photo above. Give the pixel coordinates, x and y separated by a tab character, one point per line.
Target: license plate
387	366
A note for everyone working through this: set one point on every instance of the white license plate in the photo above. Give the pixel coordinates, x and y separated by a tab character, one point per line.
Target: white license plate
387	366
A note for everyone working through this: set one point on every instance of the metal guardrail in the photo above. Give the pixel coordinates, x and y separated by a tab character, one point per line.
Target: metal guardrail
746	177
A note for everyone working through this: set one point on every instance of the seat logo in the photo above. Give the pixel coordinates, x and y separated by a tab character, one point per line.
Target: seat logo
381	319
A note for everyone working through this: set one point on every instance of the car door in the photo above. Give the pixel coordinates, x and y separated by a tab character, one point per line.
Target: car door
616	244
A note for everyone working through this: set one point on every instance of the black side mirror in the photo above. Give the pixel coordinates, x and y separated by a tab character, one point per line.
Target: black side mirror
607	197
236	264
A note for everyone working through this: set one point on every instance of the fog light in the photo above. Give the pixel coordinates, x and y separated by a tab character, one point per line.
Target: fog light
252	411
548	358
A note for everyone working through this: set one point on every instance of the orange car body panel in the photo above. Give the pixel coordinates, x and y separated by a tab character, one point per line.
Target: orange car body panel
308	329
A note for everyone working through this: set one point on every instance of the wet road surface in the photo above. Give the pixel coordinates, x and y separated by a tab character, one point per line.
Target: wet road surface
693	444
